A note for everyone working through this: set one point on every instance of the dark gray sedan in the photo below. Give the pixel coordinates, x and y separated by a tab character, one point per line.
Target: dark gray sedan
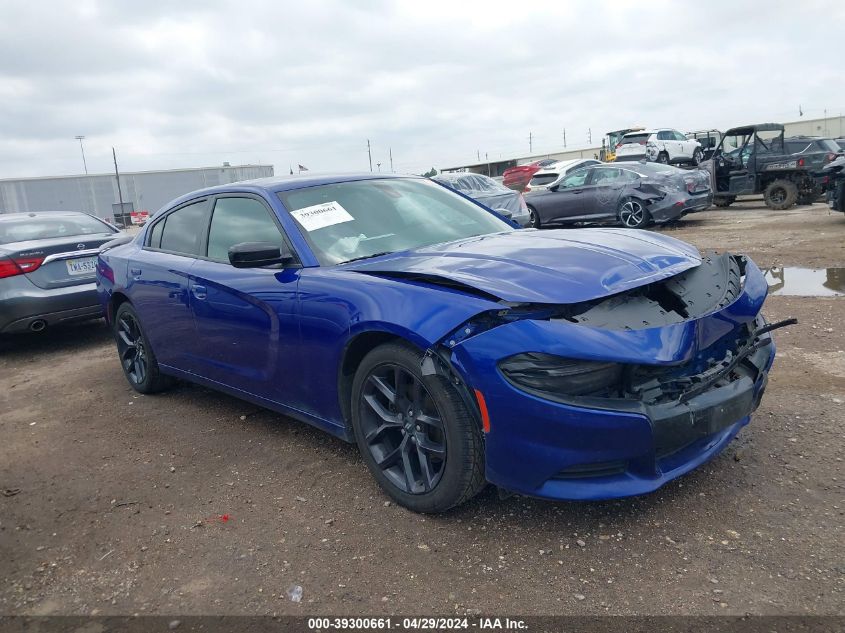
490	193
47	266
633	194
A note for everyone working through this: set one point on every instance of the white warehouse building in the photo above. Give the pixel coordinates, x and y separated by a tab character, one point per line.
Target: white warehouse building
98	194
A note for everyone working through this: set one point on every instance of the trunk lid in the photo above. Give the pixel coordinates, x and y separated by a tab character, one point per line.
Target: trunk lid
58	262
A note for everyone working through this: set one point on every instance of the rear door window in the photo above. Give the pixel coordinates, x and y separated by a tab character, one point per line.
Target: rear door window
184	229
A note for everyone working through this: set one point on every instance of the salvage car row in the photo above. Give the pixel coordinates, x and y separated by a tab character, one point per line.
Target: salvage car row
753	159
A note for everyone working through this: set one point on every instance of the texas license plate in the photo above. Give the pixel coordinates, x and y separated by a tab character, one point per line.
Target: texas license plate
82	266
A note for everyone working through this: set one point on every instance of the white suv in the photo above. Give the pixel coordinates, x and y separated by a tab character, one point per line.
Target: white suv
659	146
554	173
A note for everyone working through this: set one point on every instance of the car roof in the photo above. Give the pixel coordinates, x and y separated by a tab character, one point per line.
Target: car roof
453	176
276	184
561	164
760	127
39	214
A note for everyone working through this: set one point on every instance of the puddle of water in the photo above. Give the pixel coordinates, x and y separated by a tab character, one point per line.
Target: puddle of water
806	282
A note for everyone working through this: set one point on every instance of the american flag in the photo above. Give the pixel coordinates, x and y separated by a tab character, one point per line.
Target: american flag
303	168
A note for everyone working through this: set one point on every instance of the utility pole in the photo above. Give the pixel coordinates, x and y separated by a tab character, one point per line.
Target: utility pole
530	142
117	177
590	136
370	154
478	152
391	160
82	149
379	167
564	138
487	158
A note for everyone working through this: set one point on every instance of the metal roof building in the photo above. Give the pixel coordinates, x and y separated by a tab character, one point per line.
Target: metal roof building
98	194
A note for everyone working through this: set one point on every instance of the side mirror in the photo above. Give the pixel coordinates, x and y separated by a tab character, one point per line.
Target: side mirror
258	254
554	187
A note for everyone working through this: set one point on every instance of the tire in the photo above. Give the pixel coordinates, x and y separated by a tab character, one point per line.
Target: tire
780	194
633	214
534	221
697	155
440	420
136	356
663	157
724	201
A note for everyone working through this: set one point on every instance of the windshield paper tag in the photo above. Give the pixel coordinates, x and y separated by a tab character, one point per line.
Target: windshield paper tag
319	216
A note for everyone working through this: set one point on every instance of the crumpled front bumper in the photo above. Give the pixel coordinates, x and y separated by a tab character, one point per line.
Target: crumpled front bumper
562	450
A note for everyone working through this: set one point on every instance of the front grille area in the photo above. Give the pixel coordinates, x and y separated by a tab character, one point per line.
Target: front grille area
596	469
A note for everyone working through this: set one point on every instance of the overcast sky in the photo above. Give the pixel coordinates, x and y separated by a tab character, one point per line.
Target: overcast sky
189	84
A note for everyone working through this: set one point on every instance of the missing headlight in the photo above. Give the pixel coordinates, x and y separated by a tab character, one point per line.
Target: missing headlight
561	376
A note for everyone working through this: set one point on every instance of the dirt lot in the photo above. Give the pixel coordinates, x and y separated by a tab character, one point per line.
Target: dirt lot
122	497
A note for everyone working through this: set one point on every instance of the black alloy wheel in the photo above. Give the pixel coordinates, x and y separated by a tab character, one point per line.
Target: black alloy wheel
403	429
136	356
420	439
130	347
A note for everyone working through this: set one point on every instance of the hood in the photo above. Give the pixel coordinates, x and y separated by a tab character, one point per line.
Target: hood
530	266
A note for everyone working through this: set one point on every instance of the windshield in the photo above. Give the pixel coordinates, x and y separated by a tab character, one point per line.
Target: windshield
365	218
49	227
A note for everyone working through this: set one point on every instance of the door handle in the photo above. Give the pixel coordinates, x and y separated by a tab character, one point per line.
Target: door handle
200	292
577	191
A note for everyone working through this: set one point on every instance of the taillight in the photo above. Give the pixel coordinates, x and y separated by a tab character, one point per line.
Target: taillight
800	162
19	266
8	268
29	264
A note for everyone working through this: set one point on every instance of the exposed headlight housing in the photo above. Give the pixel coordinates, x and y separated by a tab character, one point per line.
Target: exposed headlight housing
560	376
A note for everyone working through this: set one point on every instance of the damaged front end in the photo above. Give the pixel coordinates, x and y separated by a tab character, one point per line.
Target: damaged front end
615	396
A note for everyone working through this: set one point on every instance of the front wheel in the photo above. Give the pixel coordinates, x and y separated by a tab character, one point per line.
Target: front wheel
533	218
633	214
697	157
136	356
724	201
663	157
417	436
780	194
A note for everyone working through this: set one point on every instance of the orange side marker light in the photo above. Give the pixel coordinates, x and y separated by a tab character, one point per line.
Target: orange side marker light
485	415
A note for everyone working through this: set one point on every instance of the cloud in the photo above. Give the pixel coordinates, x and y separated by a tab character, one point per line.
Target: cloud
199	83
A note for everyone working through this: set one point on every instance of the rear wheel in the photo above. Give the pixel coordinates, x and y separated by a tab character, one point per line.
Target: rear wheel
418	438
633	214
533	218
780	194
136	356
663	157
697	156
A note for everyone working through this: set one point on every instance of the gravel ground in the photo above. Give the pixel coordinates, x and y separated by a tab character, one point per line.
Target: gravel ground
193	502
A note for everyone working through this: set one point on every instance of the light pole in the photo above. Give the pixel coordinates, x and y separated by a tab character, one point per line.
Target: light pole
82	149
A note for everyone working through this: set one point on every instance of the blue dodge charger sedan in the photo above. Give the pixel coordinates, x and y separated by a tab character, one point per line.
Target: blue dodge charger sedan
453	348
